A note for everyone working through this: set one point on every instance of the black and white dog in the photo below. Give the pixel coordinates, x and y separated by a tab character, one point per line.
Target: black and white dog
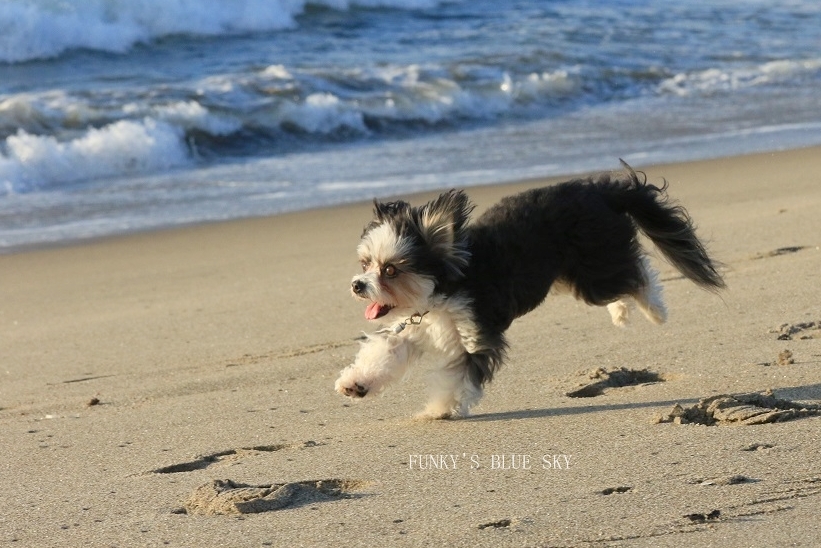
450	289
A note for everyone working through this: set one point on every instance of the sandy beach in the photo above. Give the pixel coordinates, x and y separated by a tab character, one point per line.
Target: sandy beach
175	388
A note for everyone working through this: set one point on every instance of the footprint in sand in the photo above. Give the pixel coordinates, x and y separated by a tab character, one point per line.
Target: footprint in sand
757	446
743	409
800	330
698	517
230	455
617	490
498	524
780	251
734	479
602	379
785	357
780	497
224	497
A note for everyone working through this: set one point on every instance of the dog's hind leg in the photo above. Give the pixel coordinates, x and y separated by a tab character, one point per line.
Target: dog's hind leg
618	312
452	392
649	299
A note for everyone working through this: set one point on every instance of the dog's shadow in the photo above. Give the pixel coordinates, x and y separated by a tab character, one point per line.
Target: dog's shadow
804	393
575	410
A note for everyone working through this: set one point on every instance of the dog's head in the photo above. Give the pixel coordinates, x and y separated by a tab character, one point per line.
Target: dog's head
409	254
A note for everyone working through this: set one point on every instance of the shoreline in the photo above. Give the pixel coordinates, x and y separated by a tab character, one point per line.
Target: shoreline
413	196
139	369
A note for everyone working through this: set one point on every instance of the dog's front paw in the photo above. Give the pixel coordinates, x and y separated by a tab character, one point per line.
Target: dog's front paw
355	391
348	385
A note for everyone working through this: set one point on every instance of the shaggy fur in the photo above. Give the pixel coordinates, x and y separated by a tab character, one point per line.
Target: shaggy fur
450	289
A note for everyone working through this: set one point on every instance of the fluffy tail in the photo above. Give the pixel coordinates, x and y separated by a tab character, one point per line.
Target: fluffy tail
669	226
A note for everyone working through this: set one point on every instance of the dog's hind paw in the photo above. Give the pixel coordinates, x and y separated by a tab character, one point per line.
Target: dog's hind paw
434	412
433	416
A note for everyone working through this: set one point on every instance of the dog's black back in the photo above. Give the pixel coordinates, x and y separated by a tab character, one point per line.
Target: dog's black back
582	233
522	245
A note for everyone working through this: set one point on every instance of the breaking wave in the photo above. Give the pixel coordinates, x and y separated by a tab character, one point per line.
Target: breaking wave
39	29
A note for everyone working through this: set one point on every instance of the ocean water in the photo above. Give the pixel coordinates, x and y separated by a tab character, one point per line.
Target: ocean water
126	115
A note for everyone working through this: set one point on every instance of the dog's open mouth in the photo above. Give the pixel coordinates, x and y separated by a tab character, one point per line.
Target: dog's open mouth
377	310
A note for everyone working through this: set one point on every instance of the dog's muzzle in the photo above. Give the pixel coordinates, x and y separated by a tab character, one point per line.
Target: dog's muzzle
359	287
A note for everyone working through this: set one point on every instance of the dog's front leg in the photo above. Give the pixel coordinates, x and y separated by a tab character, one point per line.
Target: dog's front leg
382	360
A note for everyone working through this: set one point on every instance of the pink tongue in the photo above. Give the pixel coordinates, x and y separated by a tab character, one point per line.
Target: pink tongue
376	310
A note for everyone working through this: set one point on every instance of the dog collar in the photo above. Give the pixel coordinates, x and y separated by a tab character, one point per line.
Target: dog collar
414	319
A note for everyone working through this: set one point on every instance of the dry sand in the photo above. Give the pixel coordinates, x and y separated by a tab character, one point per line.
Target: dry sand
176	389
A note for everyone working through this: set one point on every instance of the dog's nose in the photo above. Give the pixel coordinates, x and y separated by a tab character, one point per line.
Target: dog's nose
358	286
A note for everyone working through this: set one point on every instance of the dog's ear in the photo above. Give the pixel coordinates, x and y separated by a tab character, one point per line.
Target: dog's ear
442	223
386	210
443	219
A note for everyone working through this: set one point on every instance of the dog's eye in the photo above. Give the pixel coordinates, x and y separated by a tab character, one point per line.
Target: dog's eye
389	270
364	265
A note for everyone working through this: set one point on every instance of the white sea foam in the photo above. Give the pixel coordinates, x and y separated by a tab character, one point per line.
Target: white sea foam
44	109
733	79
125	147
192	115
322	113
276	72
35	29
548	83
409	93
